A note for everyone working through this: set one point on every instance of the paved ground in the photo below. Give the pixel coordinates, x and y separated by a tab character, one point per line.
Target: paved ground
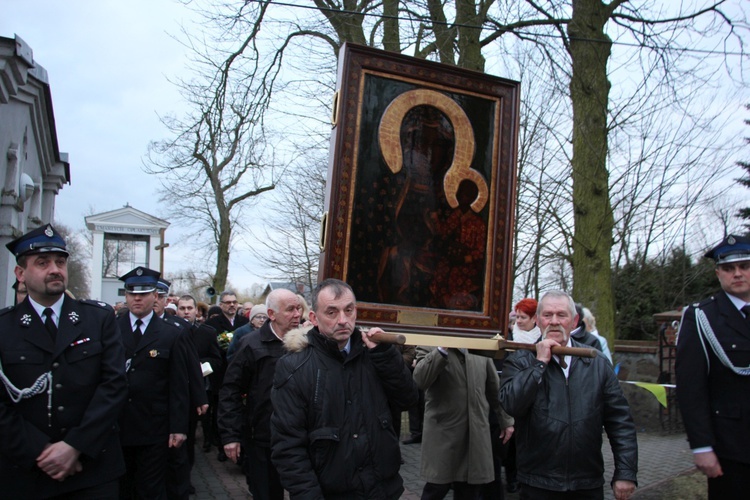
660	457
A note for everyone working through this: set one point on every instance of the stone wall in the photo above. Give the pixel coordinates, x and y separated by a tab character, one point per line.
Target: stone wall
639	361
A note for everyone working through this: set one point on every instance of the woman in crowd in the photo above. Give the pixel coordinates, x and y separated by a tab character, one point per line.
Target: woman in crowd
525	329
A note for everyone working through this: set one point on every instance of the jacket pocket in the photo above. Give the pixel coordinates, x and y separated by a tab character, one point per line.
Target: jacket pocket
323	443
726	409
387	446
23	358
83	351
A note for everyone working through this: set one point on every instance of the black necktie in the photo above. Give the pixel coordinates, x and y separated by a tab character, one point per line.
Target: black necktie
137	331
746	310
49	323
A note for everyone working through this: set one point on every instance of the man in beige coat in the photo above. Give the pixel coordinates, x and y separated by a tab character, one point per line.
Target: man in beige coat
460	391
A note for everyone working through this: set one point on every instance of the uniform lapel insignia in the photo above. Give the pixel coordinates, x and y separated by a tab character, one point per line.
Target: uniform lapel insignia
26	319
73	316
153	353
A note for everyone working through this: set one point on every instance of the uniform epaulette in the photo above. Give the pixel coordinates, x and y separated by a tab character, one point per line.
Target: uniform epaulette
705	301
174	322
180	323
6	310
97	303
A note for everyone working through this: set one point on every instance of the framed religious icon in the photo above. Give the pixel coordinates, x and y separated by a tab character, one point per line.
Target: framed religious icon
421	193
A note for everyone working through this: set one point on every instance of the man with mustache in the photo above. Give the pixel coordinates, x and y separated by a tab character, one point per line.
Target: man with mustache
713	374
560	406
64	372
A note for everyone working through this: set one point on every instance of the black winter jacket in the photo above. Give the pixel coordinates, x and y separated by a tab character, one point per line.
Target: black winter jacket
559	422
331	430
250	372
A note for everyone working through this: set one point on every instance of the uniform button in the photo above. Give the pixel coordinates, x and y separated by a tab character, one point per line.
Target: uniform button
55	365
64	430
734	346
348	401
85	352
60	408
58	386
23	358
355	436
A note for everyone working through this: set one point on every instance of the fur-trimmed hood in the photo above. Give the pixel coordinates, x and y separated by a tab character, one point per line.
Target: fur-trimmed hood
296	340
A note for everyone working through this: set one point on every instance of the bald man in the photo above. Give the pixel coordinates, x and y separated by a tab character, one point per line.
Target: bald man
251	372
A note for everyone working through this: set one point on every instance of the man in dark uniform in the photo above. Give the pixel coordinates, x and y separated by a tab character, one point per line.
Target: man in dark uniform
155	417
181	458
713	374
64	383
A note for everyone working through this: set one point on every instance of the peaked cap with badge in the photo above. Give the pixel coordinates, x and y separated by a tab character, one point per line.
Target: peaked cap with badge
43	239
712	373
141	280
733	248
67	385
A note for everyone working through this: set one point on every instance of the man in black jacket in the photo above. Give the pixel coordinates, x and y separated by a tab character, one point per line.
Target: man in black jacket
713	374
331	431
560	405
251	372
227	321
58	437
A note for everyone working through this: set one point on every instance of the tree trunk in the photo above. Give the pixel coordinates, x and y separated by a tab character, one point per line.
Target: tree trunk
391	35
590	49
222	253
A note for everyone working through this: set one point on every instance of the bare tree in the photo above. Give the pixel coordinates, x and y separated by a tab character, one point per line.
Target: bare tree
289	243
582	42
217	160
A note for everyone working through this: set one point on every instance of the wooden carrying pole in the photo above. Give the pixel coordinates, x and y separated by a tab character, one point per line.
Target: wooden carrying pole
492	347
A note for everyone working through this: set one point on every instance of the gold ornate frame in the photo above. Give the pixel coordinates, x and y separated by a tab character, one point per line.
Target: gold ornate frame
421	192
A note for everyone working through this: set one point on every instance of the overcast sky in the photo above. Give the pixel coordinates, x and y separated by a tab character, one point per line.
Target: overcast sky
108	64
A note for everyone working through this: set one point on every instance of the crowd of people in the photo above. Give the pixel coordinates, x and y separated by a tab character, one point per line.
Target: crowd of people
104	402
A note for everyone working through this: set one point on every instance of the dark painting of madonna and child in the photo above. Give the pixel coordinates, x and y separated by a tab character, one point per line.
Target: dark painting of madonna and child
425	195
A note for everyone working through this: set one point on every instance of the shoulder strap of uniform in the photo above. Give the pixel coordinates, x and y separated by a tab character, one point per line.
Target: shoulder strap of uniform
96	303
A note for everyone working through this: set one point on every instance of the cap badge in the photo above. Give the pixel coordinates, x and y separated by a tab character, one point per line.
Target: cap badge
139	272
731	240
48	232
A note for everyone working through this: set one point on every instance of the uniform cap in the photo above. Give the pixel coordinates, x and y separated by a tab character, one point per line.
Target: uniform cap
162	286
141	280
41	240
733	248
